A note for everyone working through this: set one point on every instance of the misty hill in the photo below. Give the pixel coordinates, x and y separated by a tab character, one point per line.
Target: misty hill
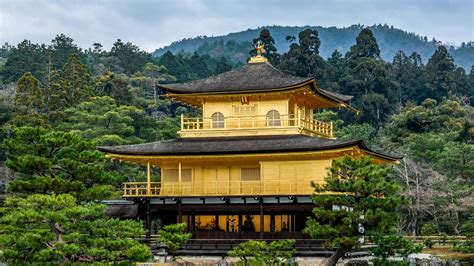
389	39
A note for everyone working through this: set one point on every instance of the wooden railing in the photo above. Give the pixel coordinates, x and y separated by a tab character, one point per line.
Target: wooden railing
256	121
216	188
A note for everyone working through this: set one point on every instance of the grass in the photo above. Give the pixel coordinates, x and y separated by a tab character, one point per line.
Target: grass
445	252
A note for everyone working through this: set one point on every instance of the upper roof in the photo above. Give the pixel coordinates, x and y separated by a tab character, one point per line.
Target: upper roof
256	77
239	145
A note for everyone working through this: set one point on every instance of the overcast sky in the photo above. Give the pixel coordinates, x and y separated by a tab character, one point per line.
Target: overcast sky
153	24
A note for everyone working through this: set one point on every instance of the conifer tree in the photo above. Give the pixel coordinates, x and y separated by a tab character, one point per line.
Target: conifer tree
366	46
357	200
222	66
28	103
76	82
269	44
439	74
54	229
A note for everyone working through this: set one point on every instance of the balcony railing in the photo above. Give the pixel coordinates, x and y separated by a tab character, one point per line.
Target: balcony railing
217	188
257	122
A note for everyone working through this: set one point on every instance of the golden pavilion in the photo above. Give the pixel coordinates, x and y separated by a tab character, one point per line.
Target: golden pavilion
244	169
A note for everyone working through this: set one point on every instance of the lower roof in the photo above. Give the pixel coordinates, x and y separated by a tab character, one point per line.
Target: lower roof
239	145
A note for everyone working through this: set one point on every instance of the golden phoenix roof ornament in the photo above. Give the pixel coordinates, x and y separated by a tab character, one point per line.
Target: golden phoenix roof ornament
259	58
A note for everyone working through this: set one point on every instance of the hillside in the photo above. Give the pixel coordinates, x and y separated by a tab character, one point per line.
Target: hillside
389	39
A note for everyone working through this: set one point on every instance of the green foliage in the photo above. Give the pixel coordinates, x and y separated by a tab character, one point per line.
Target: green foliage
391	245
58	162
429	229
269	44
356	193
440	74
27	104
130	57
255	252
76	82
102	120
55	229
366	46
428	243
23	58
303	58
174	236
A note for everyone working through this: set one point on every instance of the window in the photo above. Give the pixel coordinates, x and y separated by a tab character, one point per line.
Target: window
172	175
217	120
250	174
273	118
245	110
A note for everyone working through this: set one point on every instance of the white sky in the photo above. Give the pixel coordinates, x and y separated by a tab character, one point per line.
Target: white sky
153	24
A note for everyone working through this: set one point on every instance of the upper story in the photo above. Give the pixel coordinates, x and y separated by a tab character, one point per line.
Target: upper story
255	100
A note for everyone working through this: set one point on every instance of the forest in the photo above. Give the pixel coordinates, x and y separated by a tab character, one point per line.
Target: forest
390	40
59	101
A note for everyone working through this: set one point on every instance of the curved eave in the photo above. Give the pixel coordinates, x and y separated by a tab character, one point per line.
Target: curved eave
339	102
357	145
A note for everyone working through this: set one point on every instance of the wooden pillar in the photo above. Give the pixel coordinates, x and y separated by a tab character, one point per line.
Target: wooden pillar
272	224
217	221
182	121
298	116
180	213
193	221
148	179
261	219
148	219
240	221
180	178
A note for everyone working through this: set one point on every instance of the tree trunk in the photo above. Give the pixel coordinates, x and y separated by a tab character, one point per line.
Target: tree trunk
335	257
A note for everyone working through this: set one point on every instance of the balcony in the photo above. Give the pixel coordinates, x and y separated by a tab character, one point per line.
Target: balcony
216	188
253	125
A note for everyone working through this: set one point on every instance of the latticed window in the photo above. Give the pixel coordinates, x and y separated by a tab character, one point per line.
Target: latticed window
249	174
273	118
217	120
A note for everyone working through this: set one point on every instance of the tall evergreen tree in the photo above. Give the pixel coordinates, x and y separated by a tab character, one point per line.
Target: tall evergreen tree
222	66
439	74
76	82
366	46
62	47
269	43
28	102
25	57
199	66
303	57
132	59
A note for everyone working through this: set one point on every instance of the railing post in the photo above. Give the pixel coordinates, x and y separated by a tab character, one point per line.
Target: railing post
299	118
331	129
148	179
182	121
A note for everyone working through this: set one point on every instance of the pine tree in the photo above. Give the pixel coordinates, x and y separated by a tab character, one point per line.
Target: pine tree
54	229
358	199
48	161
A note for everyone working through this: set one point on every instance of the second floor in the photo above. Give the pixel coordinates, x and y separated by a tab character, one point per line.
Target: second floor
254	100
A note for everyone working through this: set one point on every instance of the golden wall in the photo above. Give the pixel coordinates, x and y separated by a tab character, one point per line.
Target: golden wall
262	178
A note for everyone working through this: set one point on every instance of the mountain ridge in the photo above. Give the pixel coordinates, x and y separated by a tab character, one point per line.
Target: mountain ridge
389	38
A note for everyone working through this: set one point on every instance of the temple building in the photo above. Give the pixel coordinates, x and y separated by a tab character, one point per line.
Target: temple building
243	170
